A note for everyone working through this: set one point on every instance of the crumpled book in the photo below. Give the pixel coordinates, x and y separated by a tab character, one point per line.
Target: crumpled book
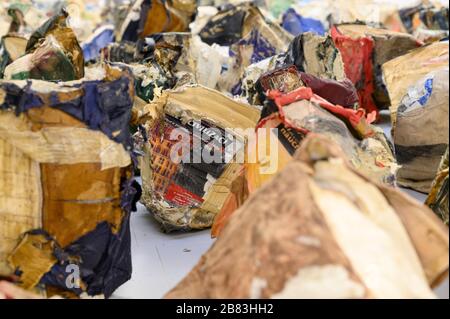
438	197
422	130
234	23
147	17
320	229
404	71
298	114
12	47
252	49
18	23
52	53
364	50
66	182
425	16
182	188
97	41
287	79
429	36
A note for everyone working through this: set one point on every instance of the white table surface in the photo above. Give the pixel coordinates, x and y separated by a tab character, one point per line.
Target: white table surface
161	260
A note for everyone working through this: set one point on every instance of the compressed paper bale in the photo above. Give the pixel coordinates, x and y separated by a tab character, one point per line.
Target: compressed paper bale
270	30
234	23
251	36
252	74
87	16
438	197
316	55
364	50
48	62
204	14
430	36
11	47
312	55
297	24
404	71
249	50
124	52
188	195
66	146
97	41
163	60
422	130
305	112
65	37
147	17
17	190
224	28
150	73
182	53
335	234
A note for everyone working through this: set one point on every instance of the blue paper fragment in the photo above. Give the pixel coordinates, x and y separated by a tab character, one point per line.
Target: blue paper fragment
428	86
262	48
296	24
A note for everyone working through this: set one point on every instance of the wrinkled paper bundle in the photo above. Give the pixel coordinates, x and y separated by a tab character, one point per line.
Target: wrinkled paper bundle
146	17
65	181
188	194
422	130
52	53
